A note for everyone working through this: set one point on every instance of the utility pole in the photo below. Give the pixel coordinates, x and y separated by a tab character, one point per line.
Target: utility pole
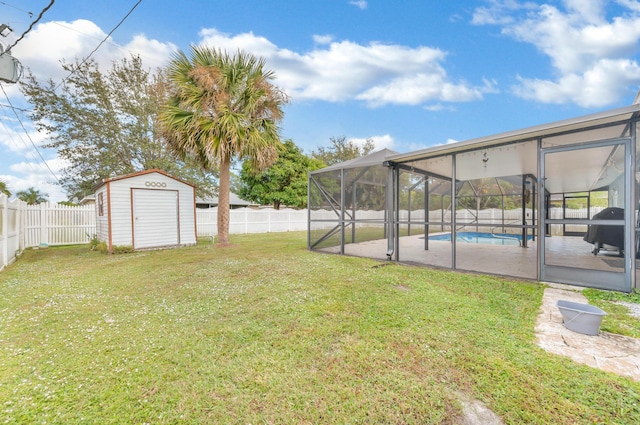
10	67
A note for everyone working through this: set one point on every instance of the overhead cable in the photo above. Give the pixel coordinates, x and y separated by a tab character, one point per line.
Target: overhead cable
30	26
100	44
28	136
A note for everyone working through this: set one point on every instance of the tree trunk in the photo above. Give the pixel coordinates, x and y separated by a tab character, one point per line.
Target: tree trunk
223	203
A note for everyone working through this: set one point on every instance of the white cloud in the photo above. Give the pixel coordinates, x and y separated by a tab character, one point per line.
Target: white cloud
322	39
589	11
593	56
360	4
414	90
376	73
380	142
41	51
246	41
38	176
437	107
154	54
603	84
498	12
333	71
49	43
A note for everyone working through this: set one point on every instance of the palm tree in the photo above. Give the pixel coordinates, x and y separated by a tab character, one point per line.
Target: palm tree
222	107
4	188
32	196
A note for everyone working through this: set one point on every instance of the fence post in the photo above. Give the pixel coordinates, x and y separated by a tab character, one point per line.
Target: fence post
21	221
4	209
44	236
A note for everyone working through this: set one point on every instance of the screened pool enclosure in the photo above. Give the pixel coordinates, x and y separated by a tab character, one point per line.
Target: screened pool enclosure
556	202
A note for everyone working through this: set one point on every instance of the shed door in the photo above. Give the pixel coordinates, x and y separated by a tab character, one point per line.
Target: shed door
155	218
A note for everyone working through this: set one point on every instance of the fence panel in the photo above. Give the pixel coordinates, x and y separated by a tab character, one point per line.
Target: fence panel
53	224
249	220
23	226
70	225
10	235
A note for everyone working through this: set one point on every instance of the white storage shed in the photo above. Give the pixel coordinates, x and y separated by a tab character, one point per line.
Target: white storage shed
145	210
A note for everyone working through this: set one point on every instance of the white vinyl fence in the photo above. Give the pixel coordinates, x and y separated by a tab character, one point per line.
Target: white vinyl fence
47	224
249	220
9	230
482	220
24	226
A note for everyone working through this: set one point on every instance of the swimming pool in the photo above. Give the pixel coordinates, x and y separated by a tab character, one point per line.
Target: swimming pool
482	238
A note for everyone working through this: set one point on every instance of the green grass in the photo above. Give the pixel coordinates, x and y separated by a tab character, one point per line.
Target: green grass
265	332
618	319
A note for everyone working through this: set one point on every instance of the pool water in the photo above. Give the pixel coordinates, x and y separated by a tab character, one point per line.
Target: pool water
482	238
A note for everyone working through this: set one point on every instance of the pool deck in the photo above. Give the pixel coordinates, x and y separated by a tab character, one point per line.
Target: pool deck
513	261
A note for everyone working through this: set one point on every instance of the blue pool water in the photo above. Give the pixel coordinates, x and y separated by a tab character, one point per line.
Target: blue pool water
484	238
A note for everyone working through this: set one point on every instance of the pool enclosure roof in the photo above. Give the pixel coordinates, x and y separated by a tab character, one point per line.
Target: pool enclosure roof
509	153
372	159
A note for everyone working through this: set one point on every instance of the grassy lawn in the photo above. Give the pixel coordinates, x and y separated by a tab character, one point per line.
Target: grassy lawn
267	332
618	319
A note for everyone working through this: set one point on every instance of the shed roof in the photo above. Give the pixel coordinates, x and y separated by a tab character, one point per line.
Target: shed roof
141	173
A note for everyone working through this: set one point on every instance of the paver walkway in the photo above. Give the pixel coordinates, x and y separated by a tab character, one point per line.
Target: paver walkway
610	352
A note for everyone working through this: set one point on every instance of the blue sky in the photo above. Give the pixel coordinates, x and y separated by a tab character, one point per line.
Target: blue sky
408	74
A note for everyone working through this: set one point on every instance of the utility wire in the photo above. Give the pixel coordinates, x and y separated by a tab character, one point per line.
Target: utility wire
17	8
8	131
15	107
28	136
71	73
30	26
100	44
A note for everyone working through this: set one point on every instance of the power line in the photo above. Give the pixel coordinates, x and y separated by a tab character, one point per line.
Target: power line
21	139
100	44
71	73
4	3
28	136
30	26
15	107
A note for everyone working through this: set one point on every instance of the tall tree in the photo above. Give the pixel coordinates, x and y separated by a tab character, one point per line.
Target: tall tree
32	196
283	183
223	107
4	188
106	124
342	150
